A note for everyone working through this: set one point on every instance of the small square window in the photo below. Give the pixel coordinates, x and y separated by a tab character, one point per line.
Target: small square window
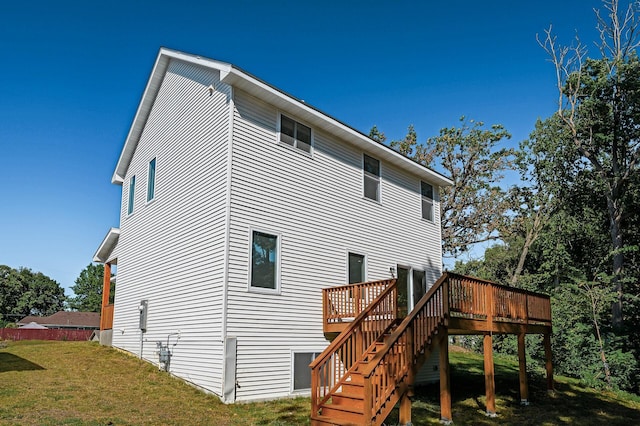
295	134
301	370
371	178
264	261
426	191
151	180
132	190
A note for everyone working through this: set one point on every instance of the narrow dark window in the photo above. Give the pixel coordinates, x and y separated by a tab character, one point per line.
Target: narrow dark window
427	200
371	178
151	180
356	268
132	190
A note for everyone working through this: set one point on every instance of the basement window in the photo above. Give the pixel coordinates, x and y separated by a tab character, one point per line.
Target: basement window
301	370
295	134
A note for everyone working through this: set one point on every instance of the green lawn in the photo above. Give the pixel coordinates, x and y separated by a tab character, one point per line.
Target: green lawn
82	383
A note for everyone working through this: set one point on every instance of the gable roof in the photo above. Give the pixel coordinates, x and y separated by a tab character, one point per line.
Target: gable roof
239	78
106	251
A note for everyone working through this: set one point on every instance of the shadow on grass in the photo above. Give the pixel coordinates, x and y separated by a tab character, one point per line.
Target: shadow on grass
568	404
11	362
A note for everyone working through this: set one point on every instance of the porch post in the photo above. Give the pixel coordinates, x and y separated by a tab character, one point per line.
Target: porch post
522	358
106	288
549	362
445	384
405	409
489	375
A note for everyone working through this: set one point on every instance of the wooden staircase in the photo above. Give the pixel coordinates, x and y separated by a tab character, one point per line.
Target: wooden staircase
371	364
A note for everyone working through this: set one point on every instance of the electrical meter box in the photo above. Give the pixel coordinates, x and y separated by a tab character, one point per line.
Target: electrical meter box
143	308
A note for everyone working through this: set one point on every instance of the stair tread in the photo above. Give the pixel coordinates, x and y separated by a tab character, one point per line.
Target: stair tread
347	408
334	421
350	395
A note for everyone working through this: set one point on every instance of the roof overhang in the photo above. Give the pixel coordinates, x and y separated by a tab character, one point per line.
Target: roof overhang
106	251
240	79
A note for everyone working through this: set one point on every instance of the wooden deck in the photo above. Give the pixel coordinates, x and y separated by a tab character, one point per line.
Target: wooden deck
375	354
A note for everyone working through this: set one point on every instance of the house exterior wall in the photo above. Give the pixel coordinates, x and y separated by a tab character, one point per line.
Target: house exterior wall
171	250
315	204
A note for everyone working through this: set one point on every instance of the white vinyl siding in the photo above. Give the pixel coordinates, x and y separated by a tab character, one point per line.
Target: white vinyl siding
173	254
318	225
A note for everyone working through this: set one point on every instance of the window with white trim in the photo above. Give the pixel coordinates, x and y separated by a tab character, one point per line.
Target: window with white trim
264	261
295	134
132	190
151	180
356	268
371	168
426	190
301	370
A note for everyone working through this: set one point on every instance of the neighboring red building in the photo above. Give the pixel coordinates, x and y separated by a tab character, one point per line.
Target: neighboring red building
65	320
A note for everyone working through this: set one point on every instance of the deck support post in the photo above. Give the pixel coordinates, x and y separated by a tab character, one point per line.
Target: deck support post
489	375
106	288
445	383
522	361
405	409
548	361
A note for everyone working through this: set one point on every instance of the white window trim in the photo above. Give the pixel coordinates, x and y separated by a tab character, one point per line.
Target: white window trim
131	201
364	173
433	203
293	391
263	290
366	264
155	181
293	148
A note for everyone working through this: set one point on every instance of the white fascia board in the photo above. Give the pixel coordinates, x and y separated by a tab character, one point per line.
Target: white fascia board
107	246
254	86
147	100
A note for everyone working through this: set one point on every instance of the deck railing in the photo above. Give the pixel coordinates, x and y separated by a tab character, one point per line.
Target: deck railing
332	366
478	299
344	303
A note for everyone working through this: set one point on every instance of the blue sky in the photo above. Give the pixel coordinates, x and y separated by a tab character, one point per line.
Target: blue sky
73	72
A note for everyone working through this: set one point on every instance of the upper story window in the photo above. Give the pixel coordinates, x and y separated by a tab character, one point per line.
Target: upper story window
264	261
426	191
371	178
295	134
132	190
151	180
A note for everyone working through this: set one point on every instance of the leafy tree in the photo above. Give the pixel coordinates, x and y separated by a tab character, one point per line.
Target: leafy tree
599	103
473	209
88	289
24	292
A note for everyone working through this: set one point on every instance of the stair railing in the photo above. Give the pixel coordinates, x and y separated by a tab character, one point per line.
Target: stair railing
394	363
331	367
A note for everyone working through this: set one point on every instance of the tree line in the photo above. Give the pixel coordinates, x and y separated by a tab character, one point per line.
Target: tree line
570	227
24	292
